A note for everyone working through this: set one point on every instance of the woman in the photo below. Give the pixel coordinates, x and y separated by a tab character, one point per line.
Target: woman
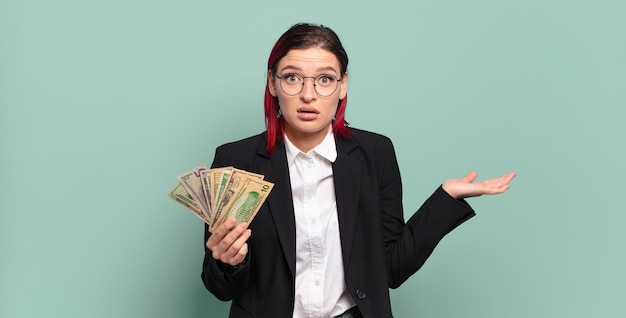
331	238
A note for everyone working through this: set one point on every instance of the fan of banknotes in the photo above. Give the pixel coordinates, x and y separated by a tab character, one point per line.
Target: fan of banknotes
215	195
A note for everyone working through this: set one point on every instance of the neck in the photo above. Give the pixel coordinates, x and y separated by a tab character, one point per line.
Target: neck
306	141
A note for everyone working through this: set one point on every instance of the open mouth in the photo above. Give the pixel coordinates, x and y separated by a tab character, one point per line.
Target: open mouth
308	111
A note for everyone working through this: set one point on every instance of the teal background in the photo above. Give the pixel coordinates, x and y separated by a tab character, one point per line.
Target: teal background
104	103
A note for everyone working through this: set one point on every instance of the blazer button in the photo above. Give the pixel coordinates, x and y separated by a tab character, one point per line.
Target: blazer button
360	294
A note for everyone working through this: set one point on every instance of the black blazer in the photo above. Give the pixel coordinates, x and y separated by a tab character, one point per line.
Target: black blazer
380	251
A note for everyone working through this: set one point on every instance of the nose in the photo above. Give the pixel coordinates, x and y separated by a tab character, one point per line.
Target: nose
308	90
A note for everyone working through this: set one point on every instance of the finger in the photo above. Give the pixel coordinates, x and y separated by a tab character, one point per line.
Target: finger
225	228
227	247
229	239
509	176
239	257
238	250
470	177
234	247
219	233
243	252
496	186
503	180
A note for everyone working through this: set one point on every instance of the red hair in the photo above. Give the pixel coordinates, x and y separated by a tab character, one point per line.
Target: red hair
302	36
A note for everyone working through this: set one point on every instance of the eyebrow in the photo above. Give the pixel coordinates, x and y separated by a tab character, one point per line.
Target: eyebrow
321	69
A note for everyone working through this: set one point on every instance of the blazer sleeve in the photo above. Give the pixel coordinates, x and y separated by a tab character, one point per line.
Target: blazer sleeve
408	245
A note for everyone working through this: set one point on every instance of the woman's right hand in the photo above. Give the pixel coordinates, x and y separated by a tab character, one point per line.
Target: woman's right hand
228	242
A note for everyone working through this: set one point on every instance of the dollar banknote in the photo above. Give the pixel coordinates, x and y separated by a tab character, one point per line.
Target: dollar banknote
226	190
245	201
219	178
206	189
180	195
215	195
191	181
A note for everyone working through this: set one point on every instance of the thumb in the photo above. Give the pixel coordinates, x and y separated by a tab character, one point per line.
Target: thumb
470	177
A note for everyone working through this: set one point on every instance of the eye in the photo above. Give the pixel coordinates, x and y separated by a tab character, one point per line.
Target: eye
326	79
291	78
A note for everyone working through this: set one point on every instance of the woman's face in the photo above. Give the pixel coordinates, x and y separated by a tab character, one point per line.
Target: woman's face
307	114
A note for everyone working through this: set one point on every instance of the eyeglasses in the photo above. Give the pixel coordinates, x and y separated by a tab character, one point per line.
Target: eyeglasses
293	84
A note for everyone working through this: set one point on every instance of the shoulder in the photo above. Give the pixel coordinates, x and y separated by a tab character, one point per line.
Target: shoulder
239	153
366	145
251	142
371	151
368	139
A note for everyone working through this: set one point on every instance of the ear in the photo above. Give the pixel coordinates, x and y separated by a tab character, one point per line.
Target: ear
343	86
271	83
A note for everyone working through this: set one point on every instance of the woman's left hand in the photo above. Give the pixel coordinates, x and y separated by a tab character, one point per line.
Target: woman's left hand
466	187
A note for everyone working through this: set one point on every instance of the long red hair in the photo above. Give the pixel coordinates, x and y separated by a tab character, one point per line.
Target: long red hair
302	36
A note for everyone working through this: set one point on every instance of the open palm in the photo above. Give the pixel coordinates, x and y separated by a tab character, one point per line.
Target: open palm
466	187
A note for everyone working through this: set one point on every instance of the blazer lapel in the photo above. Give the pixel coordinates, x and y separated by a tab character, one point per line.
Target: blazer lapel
280	201
346	173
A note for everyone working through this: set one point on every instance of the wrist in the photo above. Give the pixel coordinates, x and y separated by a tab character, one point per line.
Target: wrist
228	268
446	188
